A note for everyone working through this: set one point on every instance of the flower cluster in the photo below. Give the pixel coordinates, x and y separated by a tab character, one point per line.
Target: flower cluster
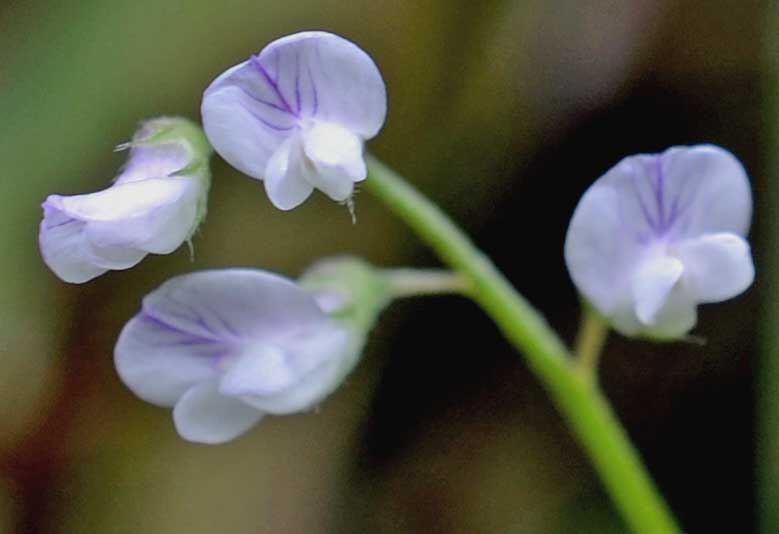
649	241
226	347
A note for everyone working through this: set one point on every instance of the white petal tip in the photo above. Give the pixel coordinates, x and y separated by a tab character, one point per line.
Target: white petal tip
203	415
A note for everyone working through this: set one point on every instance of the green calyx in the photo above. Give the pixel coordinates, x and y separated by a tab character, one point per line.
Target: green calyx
350	290
187	135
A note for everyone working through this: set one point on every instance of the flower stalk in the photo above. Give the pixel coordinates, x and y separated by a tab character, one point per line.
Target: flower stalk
580	402
420	282
590	340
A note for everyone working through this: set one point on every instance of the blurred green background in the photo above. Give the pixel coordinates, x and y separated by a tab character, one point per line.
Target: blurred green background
503	111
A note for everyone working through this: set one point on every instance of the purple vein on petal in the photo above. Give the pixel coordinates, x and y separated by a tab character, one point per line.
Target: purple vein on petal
297	80
152	317
273	83
261	101
267	123
314	94
679	210
64	223
227	326
644	210
660	193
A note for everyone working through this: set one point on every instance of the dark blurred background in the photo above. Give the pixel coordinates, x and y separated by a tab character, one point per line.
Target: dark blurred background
504	112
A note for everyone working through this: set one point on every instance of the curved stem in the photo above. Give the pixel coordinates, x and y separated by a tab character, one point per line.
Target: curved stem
579	401
589	344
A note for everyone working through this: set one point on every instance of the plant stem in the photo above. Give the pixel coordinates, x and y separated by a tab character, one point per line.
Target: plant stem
419	282
579	401
589	344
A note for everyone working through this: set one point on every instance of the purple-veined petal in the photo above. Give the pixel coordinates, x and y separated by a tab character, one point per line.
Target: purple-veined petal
159	359
238	304
717	266
336	154
683	192
285	176
708	189
237	132
652	285
203	415
330	79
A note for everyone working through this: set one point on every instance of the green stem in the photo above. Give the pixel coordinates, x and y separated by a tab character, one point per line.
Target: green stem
580	401
589	344
419	282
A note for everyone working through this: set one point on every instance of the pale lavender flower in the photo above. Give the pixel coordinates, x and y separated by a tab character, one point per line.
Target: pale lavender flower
296	116
153	206
226	347
659	234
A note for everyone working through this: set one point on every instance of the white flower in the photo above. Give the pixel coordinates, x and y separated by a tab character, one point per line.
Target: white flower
225	347
153	206
296	116
659	234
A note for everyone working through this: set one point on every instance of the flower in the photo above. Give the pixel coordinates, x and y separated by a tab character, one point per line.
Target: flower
659	234
297	115
153	206
225	347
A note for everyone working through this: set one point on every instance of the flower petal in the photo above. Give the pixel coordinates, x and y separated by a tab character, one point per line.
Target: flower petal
242	305
62	244
295	378
677	316
319	362
156	215
153	161
652	285
262	369
337	157
233	128
709	188
599	251
717	266
330	79
285	177
203	415
159	359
